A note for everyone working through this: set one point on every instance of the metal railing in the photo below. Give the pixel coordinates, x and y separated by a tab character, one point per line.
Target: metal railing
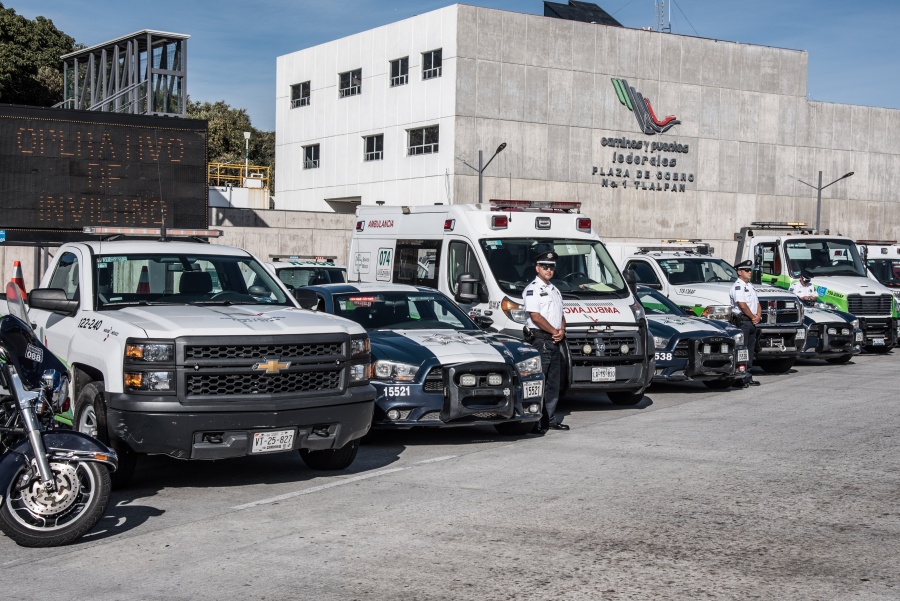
375	155
232	174
431	73
399	80
311	164
303	101
423	149
351	91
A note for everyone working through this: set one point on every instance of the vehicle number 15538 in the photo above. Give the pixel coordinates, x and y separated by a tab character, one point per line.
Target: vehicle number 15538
396	390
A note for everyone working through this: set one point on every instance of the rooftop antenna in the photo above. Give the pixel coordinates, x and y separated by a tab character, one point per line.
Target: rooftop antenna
661	16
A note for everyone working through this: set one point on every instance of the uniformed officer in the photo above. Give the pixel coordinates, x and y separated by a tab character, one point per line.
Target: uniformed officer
746	313
543	303
804	288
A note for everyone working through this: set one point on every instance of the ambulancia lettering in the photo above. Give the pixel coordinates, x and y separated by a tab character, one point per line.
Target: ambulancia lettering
608	309
381	223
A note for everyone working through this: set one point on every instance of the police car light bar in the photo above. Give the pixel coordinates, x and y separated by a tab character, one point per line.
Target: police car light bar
698	249
311	258
150	231
535	205
777	224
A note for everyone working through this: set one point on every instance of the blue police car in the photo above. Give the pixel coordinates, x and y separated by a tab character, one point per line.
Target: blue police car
433	365
692	348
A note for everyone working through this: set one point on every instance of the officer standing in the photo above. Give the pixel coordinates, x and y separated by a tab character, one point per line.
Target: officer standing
547	326
804	289
746	313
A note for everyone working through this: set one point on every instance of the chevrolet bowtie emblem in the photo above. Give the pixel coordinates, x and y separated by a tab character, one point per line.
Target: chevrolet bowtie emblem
272	366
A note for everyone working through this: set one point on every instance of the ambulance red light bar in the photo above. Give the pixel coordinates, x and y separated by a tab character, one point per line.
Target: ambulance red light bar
449	224
499	222
583	224
535	205
150	231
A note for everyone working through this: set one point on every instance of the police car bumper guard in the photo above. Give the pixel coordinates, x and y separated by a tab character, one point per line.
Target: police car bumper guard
878	331
442	400
833	339
710	358
607	360
777	342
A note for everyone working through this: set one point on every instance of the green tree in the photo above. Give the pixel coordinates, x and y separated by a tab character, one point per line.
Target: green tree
30	66
225	140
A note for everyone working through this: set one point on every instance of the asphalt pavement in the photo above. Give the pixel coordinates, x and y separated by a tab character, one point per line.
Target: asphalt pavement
789	490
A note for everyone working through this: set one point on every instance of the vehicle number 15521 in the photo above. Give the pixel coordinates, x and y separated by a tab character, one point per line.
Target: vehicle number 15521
396	390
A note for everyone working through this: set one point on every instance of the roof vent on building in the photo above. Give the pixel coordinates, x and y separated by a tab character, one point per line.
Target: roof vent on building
584	12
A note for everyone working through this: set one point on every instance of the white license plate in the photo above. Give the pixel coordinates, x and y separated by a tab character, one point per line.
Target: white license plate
801	335
744	355
273	440
859	337
878	341
533	389
603	374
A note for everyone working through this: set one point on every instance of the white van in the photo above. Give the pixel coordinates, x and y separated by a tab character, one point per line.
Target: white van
483	256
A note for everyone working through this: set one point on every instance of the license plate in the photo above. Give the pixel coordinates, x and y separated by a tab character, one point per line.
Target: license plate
533	389
859	337
744	355
603	374
273	440
801	335
878	341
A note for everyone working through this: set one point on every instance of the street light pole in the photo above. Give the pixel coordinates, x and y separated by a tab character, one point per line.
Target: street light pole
247	155
482	167
819	189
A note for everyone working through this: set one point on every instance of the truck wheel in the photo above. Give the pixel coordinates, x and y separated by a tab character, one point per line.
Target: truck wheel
625	397
839	360
514	428
719	384
90	418
776	366
331	459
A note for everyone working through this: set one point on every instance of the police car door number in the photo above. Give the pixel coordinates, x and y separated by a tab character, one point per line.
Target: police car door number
396	390
603	374
533	389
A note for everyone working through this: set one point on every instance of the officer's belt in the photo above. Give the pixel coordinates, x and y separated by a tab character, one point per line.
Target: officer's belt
539	333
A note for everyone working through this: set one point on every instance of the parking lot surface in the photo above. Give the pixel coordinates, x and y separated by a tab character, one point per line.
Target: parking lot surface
790	490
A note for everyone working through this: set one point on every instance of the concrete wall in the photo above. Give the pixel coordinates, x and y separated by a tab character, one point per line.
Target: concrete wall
339	124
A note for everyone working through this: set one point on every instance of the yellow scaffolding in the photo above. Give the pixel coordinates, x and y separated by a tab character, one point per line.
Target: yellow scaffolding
223	174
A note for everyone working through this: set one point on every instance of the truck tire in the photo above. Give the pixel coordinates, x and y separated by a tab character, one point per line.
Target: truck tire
331	459
90	418
625	397
514	428
776	366
722	384
839	360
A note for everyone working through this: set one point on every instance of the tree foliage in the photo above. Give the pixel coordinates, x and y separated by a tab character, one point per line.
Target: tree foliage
30	66
225	140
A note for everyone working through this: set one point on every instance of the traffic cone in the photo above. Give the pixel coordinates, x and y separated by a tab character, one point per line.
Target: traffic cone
143	286
18	279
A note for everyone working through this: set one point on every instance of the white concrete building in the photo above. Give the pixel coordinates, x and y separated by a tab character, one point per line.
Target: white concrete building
562	95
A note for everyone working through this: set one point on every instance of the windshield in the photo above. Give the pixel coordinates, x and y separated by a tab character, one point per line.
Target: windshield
183	279
886	271
583	268
697	270
295	277
402	311
823	257
655	303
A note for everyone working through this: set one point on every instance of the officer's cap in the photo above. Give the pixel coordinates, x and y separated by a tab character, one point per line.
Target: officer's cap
548	258
804	275
748	265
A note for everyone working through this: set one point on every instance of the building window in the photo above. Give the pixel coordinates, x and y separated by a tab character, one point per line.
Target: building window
311	157
400	72
300	94
423	140
431	64
374	147
350	83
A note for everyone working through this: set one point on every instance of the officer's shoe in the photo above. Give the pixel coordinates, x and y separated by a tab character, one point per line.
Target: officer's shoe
751	383
557	426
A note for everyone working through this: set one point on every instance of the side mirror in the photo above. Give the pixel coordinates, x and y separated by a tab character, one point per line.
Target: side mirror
52	299
466	288
258	291
631	280
307	298
483	321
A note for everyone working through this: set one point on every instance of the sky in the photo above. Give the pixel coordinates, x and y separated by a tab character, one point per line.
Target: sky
233	47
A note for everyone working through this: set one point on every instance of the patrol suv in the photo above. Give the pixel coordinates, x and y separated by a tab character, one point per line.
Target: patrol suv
297	270
196	351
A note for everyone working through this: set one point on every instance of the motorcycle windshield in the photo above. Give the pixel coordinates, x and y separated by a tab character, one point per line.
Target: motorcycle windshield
25	351
15	303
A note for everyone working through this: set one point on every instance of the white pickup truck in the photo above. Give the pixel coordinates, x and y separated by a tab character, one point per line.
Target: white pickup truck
196	351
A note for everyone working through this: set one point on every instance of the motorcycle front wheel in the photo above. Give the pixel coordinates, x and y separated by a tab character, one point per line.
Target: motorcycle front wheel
35	517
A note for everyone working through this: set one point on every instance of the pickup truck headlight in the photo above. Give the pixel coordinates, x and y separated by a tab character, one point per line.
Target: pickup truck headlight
514	311
739	339
855	324
359	346
150	381
529	367
393	370
720	312
660	341
150	352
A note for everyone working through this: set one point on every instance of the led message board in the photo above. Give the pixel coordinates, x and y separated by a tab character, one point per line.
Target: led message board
62	170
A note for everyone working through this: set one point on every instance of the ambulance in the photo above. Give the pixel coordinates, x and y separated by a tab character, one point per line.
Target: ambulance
482	255
780	251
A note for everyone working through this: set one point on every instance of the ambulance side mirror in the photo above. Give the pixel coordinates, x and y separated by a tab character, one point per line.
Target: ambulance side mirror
466	288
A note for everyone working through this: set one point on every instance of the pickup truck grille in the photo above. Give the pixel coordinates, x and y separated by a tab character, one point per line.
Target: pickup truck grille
860	304
262	351
780	312
236	384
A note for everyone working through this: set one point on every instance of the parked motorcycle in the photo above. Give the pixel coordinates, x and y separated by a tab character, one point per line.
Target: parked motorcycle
54	483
